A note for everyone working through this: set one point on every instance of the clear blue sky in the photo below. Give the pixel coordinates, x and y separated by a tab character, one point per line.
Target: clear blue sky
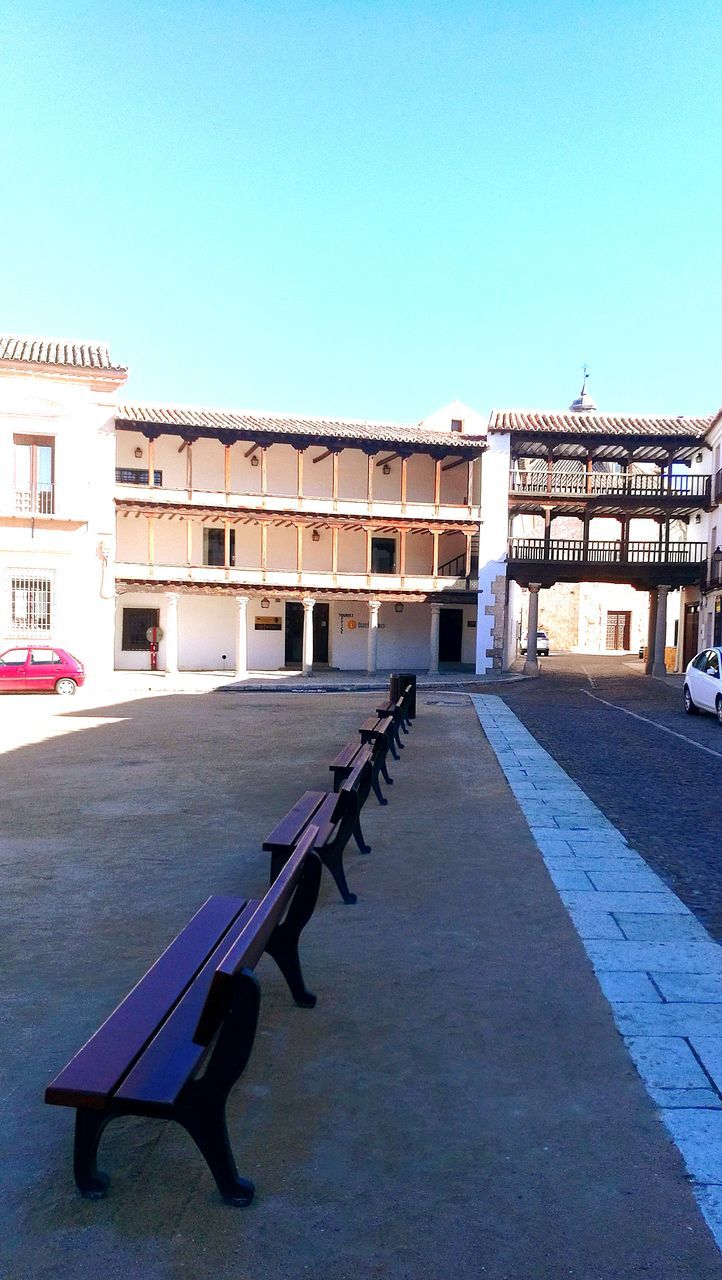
369	207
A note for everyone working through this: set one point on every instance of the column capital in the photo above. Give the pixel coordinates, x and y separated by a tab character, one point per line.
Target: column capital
374	606
172	597
435	608
308	602
534	587
242	601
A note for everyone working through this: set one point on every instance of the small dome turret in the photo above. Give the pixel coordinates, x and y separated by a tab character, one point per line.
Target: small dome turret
583	402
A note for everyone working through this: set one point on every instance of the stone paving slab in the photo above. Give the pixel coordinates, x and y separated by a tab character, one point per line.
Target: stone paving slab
656	964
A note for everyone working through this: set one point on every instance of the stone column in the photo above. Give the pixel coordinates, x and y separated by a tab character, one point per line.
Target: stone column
434	663
531	663
171	633
373	636
651	632
658	667
241	636
307	661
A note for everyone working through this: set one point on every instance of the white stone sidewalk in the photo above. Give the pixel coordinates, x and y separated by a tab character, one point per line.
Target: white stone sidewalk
656	964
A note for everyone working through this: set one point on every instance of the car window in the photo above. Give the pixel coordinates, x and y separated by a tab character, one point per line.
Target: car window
700	662
712	667
14	658
41	657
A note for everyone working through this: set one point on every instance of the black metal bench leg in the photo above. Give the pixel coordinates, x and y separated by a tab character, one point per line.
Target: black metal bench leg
89	1126
202	1108
385	773
206	1124
283	942
397	736
392	747
333	860
377	790
358	836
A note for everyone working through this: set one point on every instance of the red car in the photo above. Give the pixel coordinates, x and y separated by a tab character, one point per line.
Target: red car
38	667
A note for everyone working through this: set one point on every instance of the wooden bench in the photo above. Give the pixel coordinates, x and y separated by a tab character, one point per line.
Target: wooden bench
180	1040
337	816
379	734
398	713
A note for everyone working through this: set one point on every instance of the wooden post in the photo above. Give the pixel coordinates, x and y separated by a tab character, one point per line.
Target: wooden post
264	475
550	468
588	474
368	553
334	481
402	553
264	547
334	550
189	468
300	473
299	549
437	484
467	565
470	483
226	467
227	544
435	536
547	532
189	542
151	462
585	537
151	540
370	480
404	462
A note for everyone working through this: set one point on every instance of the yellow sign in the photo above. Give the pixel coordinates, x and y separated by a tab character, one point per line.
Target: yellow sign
352	624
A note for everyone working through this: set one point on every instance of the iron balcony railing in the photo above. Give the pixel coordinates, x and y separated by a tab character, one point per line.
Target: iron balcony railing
37	501
574	550
595	484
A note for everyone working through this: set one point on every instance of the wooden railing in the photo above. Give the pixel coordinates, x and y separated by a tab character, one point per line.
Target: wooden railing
594	484
38	501
574	550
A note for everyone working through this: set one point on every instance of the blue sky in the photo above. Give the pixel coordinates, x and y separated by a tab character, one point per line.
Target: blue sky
368	208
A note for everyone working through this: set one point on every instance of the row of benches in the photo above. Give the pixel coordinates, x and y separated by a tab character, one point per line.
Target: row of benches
181	1039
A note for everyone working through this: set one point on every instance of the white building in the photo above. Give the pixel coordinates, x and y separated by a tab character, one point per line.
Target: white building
57	518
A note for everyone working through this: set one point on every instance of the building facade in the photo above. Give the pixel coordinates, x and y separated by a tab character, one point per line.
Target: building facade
142	535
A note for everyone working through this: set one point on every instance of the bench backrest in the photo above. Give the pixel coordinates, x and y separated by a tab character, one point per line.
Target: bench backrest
248	947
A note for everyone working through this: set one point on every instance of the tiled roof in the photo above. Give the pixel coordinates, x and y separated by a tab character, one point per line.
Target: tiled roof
62	352
530	421
270	424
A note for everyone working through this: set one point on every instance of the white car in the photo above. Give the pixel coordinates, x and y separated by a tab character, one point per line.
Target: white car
703	683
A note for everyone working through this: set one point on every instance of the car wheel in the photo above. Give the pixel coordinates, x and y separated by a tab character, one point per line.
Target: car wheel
65	685
718	709
689	706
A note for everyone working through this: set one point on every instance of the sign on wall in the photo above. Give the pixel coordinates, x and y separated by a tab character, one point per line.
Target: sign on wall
268	622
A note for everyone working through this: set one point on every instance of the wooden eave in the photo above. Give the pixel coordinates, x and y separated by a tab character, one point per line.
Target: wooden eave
611	448
254	591
289	519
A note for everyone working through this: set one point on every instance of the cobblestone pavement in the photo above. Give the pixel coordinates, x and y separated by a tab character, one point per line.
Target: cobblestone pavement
655	773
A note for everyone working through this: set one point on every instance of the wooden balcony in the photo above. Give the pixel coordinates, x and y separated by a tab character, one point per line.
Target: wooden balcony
643	564
290	581
608	493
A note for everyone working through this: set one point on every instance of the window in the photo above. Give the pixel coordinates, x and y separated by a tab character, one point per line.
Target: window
383	555
136	623
136	475
34	474
712	667
14	658
214	547
42	657
30	601
700	662
457	424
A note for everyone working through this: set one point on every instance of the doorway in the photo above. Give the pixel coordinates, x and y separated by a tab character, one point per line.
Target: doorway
451	628
690	641
293	649
619	626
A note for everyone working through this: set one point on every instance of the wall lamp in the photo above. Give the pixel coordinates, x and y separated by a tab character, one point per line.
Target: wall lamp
698	456
398	608
137	452
254	460
315	536
265	604
386	469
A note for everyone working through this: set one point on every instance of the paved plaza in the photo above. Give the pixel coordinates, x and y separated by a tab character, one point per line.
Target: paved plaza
459	1103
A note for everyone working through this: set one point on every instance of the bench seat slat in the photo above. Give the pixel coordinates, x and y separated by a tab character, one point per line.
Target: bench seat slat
284	836
345	758
171	1058
97	1069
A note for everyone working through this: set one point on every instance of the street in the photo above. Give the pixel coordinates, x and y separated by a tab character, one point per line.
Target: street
655	772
